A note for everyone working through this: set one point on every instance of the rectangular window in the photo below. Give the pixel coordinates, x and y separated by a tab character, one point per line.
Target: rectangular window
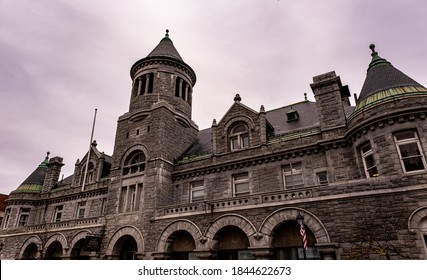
81	209
410	152
322	177
292	175
425	239
6	218
369	161
241	184
58	213
130	198
197	191
24	213
103	206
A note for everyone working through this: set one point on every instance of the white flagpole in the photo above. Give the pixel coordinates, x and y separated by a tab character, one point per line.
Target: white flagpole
88	154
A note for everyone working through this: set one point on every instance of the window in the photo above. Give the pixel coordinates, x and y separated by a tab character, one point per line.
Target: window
410	152
197	191
369	161
58	213
134	163
24	213
81	209
292	175
241	184
103	206
6	218
239	137
130	198
322	177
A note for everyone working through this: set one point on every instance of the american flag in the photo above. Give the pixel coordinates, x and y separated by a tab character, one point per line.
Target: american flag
304	236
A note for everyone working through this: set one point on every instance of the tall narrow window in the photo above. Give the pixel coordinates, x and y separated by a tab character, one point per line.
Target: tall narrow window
292	175
24	213
130	198
58	213
241	184
369	161
410	152
103	206
239	137
6	218
197	191
81	210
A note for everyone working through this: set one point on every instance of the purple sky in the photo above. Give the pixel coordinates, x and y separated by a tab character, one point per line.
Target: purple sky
59	60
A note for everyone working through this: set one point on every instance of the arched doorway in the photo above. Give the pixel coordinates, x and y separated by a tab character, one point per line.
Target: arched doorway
287	242
126	247
78	252
54	251
232	244
30	252
181	245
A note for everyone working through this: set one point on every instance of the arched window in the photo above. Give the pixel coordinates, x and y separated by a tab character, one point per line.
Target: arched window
239	137
134	163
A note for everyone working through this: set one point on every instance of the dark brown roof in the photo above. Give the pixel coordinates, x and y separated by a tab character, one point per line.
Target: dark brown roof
165	49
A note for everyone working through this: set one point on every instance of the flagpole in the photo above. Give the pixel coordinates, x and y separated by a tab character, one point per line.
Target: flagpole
88	154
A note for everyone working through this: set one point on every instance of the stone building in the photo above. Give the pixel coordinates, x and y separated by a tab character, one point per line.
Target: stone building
354	177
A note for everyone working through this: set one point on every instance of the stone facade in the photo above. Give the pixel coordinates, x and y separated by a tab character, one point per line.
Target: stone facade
355	178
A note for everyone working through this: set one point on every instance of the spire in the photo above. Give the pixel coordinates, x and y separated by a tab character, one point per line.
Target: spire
381	76
165	49
34	182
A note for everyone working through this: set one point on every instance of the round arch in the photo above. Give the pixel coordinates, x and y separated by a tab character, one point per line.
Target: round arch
31	240
132	231
58	237
186	225
289	213
132	149
231	220
415	218
76	238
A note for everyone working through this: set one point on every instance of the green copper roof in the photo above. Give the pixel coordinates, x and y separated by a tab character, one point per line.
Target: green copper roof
382	76
34	182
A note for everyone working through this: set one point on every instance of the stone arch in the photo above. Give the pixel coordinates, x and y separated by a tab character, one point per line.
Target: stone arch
186	225
244	119
138	147
290	213
76	238
31	240
126	230
59	237
232	220
415	218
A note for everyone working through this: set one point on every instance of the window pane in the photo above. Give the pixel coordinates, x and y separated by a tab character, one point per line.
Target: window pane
234	143
373	172
197	195
413	164
298	181
296	167
239	177
404	135
366	148
407	150
322	177
245	141
240	128
242	188
370	162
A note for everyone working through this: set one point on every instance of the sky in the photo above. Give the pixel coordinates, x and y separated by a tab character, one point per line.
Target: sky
60	60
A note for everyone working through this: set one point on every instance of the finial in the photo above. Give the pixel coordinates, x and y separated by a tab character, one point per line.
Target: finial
262	109
237	98
167	33
305	96
372	47
47	155
94	143
214	122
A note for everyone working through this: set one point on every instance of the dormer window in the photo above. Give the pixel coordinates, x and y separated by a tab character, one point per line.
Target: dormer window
239	137
292	115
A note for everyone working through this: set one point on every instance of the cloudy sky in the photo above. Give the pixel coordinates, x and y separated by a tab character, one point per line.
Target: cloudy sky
59	60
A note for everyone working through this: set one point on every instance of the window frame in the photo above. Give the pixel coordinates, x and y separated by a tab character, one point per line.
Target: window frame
134	163
241	181
81	210
365	155
320	182
24	214
293	175
406	141
197	186
238	140
57	215
6	218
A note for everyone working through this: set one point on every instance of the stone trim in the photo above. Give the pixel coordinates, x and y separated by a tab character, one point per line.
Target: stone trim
126	230
182	224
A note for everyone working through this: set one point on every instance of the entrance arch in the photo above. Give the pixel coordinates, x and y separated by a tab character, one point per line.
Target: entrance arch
231	243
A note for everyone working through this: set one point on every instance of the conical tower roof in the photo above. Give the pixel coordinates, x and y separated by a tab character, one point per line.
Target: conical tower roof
383	80
34	182
165	49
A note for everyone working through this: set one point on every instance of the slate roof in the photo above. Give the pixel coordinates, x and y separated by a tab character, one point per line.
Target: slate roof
165	49
381	76
34	182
